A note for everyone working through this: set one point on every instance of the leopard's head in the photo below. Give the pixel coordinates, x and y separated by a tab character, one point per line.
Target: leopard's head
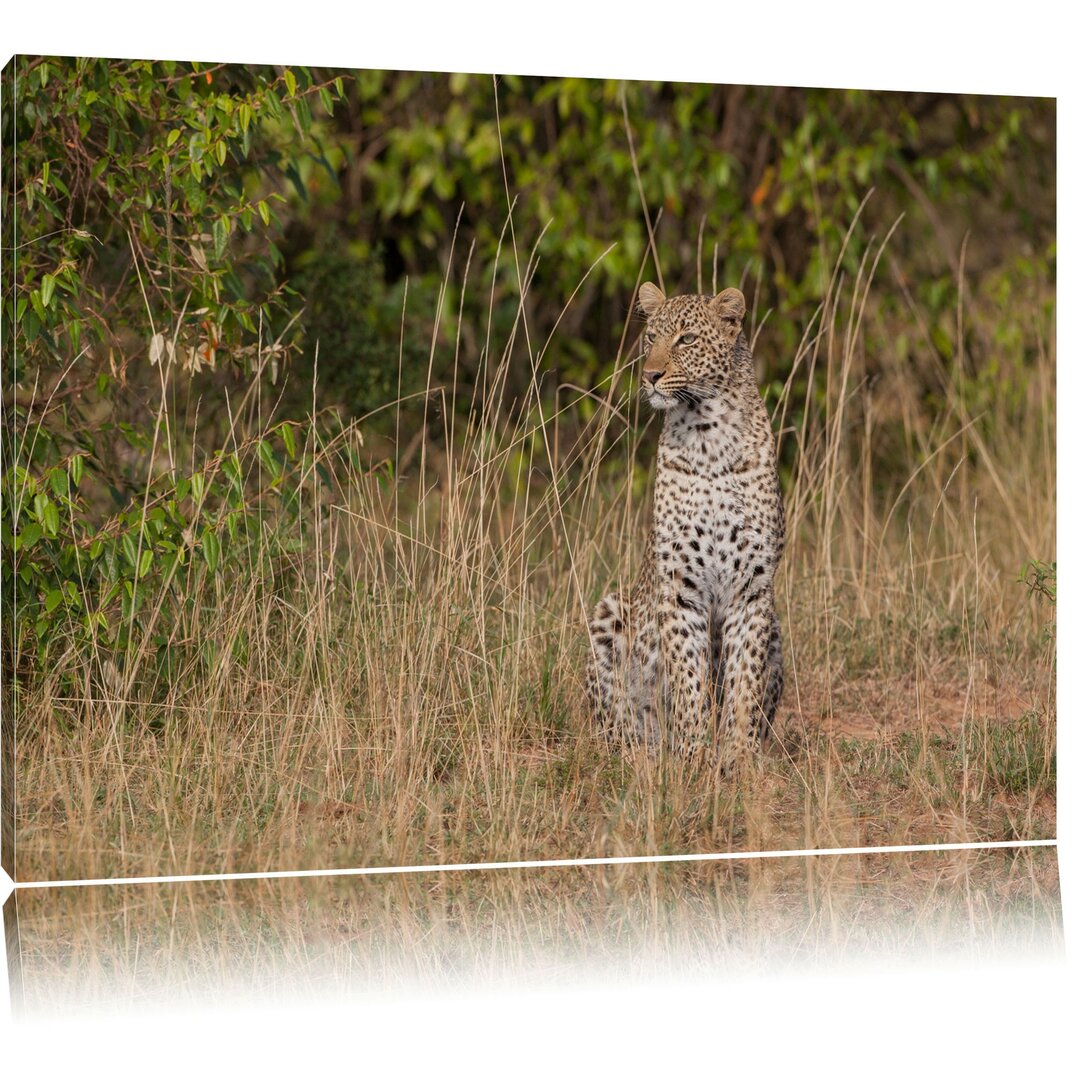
690	344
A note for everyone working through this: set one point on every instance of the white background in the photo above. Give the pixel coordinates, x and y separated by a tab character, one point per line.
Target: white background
1015	1019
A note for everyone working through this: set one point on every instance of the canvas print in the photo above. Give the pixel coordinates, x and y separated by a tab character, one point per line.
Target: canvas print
408	468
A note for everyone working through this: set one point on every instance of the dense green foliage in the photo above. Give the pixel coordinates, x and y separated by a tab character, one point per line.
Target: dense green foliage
138	188
143	228
182	234
105	586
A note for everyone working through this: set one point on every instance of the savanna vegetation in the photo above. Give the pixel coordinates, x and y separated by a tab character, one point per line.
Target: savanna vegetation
321	438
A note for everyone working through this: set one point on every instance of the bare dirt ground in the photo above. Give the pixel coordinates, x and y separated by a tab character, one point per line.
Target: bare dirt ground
876	708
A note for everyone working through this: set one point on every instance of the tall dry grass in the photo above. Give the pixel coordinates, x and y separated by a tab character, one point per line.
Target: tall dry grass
399	679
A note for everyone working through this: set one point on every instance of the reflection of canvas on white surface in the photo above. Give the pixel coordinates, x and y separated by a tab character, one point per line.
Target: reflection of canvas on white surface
138	947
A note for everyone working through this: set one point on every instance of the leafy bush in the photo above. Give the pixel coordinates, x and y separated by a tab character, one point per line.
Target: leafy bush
122	588
185	234
144	232
147	195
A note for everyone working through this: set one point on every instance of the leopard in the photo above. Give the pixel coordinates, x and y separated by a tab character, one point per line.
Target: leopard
692	658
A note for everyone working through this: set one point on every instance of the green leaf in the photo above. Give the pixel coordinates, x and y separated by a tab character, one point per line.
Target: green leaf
96	547
293	173
264	211
290	82
51	519
221	235
28	537
58	482
172	137
211	549
198	487
269	458
230	466
48	287
222	151
54	598
289	439
131	550
75	469
145	560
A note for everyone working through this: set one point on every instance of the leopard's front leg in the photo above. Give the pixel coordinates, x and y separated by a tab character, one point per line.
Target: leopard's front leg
750	687
686	651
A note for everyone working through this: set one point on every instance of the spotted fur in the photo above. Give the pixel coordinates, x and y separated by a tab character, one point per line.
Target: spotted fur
693	656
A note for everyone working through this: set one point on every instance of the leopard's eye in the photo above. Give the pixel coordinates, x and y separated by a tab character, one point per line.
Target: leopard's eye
688	339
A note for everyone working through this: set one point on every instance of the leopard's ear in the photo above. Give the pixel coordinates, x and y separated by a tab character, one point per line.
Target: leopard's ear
730	306
650	298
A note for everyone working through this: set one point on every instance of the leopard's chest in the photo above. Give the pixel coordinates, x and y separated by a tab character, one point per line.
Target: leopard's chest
704	478
712	521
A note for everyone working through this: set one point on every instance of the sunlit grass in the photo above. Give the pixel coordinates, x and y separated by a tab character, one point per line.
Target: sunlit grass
397	677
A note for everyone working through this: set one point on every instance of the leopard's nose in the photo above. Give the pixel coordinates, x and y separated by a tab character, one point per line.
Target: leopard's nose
652	377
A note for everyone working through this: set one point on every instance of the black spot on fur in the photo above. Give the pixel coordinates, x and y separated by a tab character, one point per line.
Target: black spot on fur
685	602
